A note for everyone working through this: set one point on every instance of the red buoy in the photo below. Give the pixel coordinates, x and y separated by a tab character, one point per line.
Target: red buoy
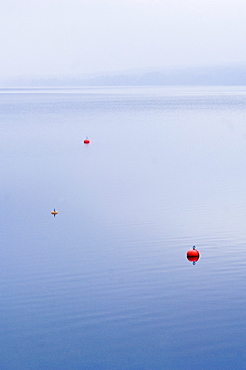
87	141
193	255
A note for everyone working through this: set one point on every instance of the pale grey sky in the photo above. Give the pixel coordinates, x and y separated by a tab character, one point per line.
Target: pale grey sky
47	37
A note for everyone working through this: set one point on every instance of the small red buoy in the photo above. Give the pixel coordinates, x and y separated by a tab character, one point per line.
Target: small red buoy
87	141
193	255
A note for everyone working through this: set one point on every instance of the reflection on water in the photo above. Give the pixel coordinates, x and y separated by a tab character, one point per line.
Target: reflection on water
106	284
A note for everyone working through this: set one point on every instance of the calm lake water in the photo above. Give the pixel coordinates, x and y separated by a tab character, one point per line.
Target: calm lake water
106	283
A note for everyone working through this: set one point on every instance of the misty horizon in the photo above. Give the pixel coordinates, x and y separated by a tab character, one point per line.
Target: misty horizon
60	38
197	75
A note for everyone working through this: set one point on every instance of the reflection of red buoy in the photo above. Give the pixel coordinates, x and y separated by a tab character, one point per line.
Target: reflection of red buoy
86	141
193	255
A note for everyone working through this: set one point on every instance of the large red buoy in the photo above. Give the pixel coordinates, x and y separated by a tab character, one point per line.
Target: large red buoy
87	141
193	255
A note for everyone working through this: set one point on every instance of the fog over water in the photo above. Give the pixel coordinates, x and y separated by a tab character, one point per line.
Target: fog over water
74	37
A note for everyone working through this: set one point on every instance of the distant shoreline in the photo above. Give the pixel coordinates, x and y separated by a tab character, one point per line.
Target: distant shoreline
200	76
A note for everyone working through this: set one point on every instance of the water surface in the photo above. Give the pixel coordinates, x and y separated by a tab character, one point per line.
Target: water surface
106	283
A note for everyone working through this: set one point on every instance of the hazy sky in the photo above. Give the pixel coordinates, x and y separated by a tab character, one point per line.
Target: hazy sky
45	37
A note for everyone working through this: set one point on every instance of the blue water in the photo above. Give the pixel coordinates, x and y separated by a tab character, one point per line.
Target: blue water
106	284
